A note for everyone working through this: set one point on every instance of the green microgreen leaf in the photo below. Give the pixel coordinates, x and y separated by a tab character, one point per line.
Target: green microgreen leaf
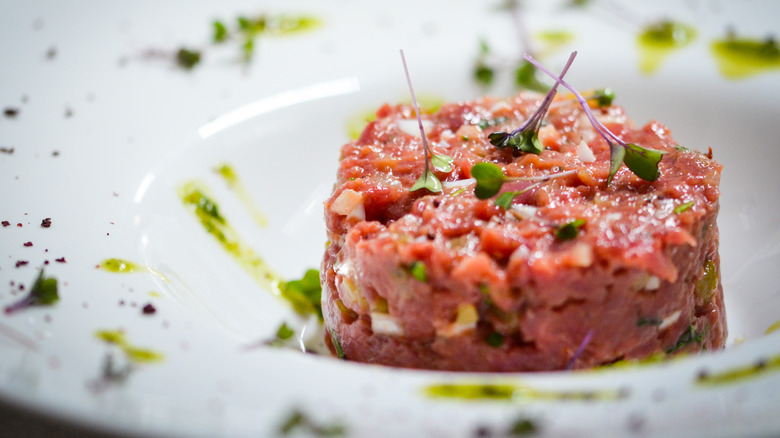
489	178
643	161
525	77
683	207
418	271
427	181
604	97
304	294
441	162
616	155
220	31
505	199
187	58
569	230
486	123
43	293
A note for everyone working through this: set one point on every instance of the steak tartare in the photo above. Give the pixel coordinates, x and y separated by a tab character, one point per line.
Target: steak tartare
575	273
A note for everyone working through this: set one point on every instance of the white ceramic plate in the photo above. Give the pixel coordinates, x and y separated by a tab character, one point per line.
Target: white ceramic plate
107	130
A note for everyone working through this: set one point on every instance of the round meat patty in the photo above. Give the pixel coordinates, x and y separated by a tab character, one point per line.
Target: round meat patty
448	281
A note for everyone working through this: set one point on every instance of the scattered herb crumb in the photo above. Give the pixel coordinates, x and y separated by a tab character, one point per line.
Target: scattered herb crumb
523	427
683	207
569	231
187	58
51	53
42	293
6	150
298	420
11	112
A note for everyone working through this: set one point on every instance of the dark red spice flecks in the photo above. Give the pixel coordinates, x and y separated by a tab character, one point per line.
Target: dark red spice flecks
28	244
149	309
19	224
60	260
6	150
46	223
20	263
6	223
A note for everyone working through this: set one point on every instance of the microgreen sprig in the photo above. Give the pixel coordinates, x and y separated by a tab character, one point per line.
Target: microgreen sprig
640	160
42	293
440	162
490	178
526	137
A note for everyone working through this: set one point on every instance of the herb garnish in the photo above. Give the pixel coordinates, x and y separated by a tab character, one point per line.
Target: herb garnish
187	58
569	230
299	420
418	271
642	161
526	137
683	207
688	337
490	178
304	294
442	163
42	293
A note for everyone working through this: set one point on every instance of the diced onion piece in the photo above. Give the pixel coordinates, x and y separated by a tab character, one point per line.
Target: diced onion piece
466	319
653	283
459	183
349	203
410	126
669	320
523	211
350	293
585	153
385	324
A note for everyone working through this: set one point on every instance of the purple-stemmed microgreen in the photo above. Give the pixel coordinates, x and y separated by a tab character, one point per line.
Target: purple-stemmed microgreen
440	162
42	293
577	353
490	178
640	160
526	137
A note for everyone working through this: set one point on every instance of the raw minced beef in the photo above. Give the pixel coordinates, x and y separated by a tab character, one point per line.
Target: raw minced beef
448	281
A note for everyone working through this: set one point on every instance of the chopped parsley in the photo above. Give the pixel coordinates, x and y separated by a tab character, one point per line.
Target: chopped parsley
569	230
42	293
300	421
187	58
689	336
683	207
495	339
418	271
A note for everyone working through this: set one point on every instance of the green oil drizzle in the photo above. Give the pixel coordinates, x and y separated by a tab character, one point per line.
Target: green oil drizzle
740	374
195	197
134	354
227	173
122	266
357	123
773	328
515	392
739	58
552	41
658	41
